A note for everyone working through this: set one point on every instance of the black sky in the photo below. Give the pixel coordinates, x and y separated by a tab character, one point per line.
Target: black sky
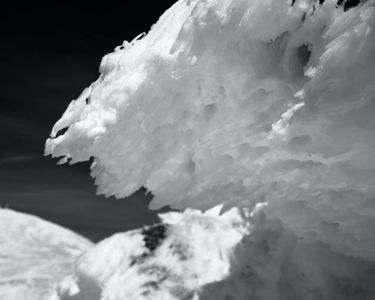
48	55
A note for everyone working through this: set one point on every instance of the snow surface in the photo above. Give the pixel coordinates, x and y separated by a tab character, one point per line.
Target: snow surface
206	256
256	104
171	260
35	256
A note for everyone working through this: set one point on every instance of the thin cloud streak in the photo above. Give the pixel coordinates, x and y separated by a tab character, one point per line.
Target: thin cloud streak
18	158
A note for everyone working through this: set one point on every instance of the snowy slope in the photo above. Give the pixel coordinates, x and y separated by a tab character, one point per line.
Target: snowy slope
35	256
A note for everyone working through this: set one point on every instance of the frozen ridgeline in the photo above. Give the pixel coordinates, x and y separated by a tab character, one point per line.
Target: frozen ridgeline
240	102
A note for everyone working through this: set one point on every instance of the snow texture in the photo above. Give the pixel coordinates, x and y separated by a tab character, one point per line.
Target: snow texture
211	257
236	103
225	101
35	256
190	255
241	103
171	260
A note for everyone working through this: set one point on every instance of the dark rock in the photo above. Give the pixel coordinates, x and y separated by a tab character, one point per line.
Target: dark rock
153	235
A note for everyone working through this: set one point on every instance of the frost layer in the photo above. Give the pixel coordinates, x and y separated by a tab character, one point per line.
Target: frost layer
240	102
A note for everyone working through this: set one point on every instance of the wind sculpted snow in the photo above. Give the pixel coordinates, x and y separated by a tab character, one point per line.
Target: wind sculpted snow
233	102
237	103
266	106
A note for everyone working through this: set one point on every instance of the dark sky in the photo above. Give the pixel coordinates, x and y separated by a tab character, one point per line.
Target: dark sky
49	54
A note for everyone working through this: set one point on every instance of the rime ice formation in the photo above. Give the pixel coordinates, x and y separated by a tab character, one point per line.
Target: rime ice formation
234	102
242	103
35	256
